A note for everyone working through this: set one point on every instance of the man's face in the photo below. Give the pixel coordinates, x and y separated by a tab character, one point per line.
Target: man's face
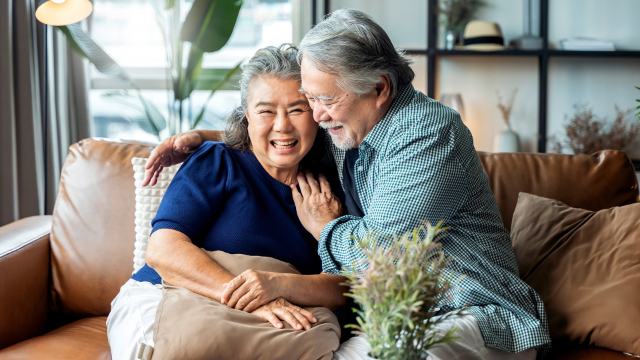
348	117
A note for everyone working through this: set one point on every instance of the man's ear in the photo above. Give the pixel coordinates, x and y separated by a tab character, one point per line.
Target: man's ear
383	90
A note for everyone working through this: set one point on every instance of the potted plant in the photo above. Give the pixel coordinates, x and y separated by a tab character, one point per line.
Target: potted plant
206	28
454	15
397	293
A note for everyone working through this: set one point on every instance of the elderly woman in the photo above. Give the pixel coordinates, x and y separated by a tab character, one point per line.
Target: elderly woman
236	197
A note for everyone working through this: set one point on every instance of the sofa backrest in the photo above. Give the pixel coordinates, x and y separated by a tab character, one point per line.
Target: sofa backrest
593	182
93	219
93	226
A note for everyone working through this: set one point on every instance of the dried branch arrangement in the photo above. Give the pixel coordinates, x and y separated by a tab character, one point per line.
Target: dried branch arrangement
586	132
505	107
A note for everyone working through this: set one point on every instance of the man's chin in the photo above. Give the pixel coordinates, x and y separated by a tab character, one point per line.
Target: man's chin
343	143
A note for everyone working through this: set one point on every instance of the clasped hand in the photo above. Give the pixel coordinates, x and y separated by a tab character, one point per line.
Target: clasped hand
259	293
316	205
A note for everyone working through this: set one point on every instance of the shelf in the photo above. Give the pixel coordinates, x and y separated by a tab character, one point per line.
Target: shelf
415	51
506	52
609	54
515	52
462	52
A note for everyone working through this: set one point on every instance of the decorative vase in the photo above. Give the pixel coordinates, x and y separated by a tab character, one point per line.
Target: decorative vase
506	141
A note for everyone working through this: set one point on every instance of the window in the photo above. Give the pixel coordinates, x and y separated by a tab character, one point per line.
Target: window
129	31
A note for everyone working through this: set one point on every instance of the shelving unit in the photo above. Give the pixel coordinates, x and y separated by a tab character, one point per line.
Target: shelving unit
543	56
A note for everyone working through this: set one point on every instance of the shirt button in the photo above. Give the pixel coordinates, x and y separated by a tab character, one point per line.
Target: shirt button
360	168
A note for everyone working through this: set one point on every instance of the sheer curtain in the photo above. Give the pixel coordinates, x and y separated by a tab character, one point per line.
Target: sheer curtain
43	109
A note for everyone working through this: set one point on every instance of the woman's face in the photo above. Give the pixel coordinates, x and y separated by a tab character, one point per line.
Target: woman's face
280	123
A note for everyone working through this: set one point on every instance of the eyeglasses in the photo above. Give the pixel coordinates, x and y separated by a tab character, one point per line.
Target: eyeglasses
326	101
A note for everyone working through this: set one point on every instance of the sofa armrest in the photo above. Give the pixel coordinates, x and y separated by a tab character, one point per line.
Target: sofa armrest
24	278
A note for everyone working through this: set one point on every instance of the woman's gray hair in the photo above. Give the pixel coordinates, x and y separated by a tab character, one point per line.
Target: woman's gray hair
356	49
280	62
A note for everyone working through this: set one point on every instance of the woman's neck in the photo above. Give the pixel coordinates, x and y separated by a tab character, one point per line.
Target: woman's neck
286	176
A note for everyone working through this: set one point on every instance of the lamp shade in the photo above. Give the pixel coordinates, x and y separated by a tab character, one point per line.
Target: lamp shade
63	12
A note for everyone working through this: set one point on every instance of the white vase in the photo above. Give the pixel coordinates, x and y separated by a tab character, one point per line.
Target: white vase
506	141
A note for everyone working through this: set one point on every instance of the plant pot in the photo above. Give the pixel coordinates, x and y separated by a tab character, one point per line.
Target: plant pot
506	141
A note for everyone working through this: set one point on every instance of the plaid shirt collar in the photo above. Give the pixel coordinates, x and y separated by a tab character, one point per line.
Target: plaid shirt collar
377	137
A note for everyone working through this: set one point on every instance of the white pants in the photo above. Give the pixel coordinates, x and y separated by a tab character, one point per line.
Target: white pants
468	345
131	320
133	313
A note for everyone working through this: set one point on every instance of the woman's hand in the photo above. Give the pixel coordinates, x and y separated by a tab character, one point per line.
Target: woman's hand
316	205
251	289
280	310
171	151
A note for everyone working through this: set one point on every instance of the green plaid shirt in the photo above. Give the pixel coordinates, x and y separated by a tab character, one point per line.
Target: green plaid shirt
418	163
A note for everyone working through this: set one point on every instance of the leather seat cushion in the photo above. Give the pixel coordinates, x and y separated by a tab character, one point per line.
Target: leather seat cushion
82	339
587	353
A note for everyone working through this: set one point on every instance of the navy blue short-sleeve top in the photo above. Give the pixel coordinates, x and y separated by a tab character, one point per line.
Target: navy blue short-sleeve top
223	199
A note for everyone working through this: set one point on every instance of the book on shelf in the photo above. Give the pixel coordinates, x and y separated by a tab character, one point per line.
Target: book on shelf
586	44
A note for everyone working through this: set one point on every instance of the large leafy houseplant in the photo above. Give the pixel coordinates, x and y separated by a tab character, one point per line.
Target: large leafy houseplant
398	293
206	28
638	107
455	14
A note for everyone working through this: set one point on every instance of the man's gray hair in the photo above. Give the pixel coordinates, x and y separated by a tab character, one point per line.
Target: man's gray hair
356	49
280	62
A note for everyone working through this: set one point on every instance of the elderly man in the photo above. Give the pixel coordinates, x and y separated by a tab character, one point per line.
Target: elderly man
403	159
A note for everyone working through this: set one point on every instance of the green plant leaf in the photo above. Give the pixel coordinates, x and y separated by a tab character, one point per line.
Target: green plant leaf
209	23
188	81
211	78
88	48
227	76
156	120
153	119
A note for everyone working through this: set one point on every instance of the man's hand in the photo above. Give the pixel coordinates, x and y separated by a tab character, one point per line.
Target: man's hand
280	309
251	289
171	151
315	204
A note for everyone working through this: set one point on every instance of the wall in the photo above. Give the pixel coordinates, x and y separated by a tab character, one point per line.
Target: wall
601	83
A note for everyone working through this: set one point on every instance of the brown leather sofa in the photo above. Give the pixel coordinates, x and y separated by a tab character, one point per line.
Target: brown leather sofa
59	273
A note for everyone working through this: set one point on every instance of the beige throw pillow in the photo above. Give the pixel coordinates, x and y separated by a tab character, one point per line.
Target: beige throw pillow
147	201
190	326
586	267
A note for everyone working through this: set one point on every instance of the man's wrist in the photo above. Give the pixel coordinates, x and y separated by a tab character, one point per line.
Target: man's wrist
282	283
319	227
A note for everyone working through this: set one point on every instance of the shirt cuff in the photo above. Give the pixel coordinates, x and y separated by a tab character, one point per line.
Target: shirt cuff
327	242
167	224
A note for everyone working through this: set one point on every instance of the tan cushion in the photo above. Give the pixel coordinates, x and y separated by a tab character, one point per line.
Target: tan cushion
586	267
190	326
82	339
593	182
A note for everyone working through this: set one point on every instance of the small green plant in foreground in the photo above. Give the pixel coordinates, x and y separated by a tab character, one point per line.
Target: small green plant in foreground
398	292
